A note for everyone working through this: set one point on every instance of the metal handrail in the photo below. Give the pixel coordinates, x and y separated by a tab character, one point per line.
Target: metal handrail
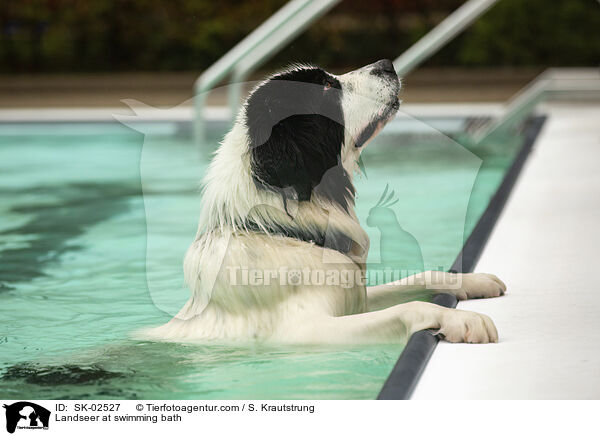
583	83
296	15
292	19
220	69
270	36
225	64
263	52
441	34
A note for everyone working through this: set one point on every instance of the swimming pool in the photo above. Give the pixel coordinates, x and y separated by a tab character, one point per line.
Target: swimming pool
96	218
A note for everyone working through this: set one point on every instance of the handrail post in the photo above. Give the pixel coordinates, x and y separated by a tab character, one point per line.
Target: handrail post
220	69
264	51
440	35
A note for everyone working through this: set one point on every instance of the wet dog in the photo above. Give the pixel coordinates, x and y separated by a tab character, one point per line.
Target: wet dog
278	198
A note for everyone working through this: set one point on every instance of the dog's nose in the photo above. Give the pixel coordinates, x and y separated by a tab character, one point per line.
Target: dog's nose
384	65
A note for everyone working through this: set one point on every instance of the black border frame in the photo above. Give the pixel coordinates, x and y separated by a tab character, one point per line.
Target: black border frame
407	371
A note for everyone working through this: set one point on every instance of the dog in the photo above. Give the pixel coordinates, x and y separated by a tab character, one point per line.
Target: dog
278	198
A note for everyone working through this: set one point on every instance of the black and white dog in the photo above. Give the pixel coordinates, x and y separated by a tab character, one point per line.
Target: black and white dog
278	199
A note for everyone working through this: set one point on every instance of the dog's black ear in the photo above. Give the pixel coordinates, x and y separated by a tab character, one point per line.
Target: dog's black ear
296	135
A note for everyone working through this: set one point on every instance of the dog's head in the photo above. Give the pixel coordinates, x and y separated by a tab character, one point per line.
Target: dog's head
306	127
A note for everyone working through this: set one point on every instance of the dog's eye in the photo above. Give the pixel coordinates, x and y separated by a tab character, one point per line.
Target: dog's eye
327	84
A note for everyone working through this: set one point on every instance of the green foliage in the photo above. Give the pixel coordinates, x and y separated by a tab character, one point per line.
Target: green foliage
117	35
534	32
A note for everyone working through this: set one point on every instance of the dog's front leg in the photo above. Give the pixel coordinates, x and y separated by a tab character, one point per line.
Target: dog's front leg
398	323
463	286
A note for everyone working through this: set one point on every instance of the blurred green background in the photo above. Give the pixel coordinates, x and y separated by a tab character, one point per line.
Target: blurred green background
179	35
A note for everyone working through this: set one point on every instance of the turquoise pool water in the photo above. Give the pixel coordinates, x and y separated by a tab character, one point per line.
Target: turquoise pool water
94	222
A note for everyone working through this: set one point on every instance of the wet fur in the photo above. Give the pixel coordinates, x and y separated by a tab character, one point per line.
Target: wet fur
279	194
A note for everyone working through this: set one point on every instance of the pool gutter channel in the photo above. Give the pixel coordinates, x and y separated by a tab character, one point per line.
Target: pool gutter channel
413	360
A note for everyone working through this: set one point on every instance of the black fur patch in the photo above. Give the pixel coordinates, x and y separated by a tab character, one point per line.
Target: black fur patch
296	127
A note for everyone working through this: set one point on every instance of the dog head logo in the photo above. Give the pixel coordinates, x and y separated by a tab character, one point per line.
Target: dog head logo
26	415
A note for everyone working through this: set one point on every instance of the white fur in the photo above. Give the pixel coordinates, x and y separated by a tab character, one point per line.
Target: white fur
309	314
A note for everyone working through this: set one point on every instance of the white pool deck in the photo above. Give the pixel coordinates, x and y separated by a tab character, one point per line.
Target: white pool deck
546	247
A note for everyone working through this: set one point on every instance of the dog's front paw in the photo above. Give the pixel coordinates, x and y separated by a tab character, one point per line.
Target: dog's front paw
479	285
462	326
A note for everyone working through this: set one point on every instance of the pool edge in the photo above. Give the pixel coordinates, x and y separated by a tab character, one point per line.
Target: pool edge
413	360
